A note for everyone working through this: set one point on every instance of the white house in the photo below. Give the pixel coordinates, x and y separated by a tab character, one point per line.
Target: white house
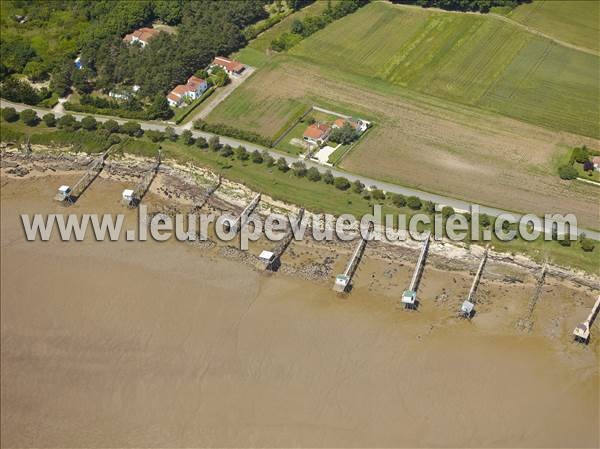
191	91
596	162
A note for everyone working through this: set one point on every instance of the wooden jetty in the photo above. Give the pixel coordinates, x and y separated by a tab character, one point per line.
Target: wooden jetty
409	297
527	323
206	195
582	332
238	223
467	309
133	197
271	259
67	195
342	281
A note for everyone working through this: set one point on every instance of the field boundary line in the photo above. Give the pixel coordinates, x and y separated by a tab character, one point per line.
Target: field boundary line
292	126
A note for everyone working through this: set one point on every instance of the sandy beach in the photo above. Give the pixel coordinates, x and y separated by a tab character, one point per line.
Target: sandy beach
148	344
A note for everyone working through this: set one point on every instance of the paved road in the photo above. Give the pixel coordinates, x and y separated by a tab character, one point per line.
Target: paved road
459	205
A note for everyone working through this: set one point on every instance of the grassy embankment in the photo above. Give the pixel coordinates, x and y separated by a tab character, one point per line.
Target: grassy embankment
315	196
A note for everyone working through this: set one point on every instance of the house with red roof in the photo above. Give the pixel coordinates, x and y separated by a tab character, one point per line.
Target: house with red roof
189	91
229	65
142	36
317	133
360	126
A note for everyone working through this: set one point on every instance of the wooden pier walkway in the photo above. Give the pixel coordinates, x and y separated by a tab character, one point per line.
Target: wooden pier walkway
526	323
342	281
409	297
272	259
133	197
206	195
68	195
582	331
467	309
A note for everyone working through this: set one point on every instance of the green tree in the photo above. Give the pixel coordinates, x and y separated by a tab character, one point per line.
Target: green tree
111	126
60	81
341	183
159	109
29	117
484	220
587	244
399	200
257	157
567	172
67	122
282	164
10	114
201	142
170	133
187	137
89	123
358	186
344	135
226	151
414	202
378	194
49	119
313	174
35	71
132	129
241	153
155	136
581	154
214	143
299	168
268	159
447	211
328	177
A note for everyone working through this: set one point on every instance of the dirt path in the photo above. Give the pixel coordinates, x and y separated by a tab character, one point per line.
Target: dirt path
512	22
216	99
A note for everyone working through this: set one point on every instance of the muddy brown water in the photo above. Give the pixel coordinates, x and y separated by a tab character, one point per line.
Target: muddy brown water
123	344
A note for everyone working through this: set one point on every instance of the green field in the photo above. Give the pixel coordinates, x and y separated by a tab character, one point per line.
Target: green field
470	59
575	22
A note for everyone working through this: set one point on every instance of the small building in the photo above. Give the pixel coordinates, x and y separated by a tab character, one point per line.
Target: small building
359	125
341	283
141	36
409	298
467	308
596	162
192	90
64	193
229	65
317	133
266	256
128	196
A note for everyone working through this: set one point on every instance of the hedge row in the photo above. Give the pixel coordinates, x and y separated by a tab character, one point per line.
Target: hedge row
226	130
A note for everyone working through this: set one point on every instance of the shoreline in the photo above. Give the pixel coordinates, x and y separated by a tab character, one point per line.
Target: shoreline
187	183
102	339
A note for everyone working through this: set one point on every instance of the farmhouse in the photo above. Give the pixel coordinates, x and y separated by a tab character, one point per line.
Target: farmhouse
143	36
191	90
596	162
317	133
229	65
359	125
